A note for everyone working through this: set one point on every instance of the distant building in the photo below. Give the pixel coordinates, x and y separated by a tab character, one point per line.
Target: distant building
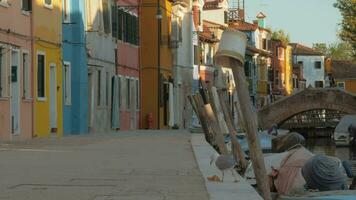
75	74
312	63
16	72
344	74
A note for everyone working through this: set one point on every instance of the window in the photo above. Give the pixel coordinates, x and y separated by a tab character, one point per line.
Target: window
107	85
99	88
106	16
67	84
180	33
48	3
137	94
319	84
247	69
264	43
40	75
128	27
114	20
66	11
2	74
317	65
120	20
26	76
128	93
281	53
26	5
341	85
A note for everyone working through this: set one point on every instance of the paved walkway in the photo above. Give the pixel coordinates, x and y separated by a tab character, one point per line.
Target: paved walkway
227	190
129	166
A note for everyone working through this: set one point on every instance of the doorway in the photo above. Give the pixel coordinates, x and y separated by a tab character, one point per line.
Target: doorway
53	98
15	93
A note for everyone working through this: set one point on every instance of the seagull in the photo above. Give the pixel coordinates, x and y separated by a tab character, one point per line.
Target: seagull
224	163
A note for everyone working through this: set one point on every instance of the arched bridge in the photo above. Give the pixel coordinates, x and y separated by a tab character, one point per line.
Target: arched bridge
305	100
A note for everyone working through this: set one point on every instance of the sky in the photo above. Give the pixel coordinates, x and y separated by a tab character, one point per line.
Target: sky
307	21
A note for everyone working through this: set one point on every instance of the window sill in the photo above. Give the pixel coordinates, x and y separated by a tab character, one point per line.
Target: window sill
25	12
50	7
41	99
29	100
4	98
4	4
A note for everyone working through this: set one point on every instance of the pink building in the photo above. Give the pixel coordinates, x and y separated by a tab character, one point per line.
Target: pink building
15	70
128	66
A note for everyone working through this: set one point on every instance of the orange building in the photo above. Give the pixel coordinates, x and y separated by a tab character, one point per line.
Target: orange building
155	59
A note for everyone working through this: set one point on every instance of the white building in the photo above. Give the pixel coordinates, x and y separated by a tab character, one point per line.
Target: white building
183	61
312	63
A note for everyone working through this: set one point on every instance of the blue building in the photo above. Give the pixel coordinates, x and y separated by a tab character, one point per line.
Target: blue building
75	70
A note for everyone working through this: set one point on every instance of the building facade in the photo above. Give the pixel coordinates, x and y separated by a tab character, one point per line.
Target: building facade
312	63
47	57
183	61
101	47
128	63
156	66
75	69
16	78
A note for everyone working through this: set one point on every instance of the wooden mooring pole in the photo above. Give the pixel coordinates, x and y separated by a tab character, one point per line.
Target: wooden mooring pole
250	123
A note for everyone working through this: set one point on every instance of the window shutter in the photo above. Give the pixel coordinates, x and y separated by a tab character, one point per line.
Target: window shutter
226	20
119	23
114	18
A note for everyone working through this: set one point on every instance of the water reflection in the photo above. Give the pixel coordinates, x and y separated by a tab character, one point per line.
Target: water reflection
326	146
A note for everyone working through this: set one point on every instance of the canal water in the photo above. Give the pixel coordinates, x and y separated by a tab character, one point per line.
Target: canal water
319	141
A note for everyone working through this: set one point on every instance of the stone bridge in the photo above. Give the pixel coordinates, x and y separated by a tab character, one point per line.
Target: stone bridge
308	99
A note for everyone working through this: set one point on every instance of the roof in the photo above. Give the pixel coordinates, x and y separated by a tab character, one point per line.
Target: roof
260	15
207	34
341	69
243	26
299	49
212	4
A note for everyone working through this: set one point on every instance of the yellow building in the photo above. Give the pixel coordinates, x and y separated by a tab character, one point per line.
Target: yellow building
288	70
344	74
47	29
156	58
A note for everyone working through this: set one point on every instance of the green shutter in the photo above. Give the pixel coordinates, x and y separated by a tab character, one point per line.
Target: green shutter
114	21
119	23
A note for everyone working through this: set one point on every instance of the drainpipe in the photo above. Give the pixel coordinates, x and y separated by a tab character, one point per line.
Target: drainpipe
32	74
159	19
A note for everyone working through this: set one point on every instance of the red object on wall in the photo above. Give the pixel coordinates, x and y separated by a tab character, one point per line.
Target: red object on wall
150	121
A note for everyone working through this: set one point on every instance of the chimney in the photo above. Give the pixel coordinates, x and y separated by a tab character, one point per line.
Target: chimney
261	20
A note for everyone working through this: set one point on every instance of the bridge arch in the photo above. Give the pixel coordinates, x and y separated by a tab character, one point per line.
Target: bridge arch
308	99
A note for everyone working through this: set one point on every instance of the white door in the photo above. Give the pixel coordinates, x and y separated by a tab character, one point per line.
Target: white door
133	103
15	93
53	97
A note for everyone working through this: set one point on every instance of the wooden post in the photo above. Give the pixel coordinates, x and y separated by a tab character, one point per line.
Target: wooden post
250	122
236	147
216	129
209	135
240	121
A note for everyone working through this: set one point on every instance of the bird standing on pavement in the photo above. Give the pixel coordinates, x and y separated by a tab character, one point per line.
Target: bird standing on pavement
224	163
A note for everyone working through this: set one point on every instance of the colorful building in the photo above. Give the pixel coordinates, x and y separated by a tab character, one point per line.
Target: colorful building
75	70
16	78
258	57
312	63
344	74
101	50
47	57
128	63
183	61
156	66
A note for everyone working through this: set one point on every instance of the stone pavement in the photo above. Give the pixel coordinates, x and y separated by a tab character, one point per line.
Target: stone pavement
126	166
227	190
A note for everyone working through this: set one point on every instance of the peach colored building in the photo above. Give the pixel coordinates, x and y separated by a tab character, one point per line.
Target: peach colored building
128	64
16	92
